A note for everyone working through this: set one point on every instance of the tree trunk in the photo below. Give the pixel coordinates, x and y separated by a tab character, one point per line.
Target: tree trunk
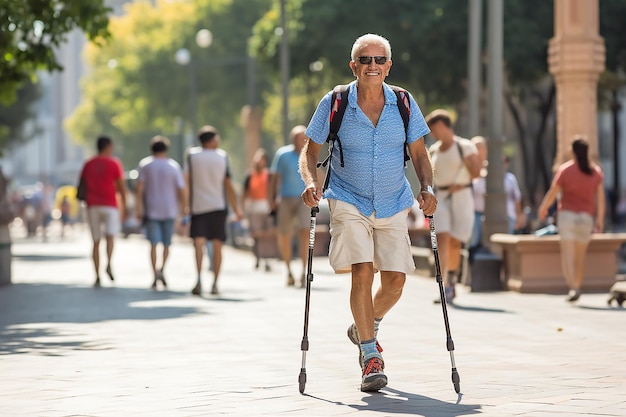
544	107
528	171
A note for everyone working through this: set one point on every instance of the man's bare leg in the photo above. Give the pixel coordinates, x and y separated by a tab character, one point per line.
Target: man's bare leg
198	244
284	247
362	307
454	254
95	255
361	302
110	241
391	285
217	263
153	260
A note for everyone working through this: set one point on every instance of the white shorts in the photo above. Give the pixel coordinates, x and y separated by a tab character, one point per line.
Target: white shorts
356	238
575	226
107	215
455	214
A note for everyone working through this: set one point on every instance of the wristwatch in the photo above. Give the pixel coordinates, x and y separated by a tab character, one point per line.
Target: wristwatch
429	190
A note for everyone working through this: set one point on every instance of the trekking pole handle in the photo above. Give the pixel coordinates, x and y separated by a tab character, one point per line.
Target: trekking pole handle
433	233
314	211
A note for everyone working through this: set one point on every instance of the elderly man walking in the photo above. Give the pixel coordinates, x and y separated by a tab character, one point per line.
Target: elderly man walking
369	195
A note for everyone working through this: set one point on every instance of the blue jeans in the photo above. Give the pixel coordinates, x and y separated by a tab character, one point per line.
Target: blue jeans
160	231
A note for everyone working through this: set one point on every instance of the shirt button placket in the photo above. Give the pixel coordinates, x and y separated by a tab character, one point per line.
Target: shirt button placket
375	173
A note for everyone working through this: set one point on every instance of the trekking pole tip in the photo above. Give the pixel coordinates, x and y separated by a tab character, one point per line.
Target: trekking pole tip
456	381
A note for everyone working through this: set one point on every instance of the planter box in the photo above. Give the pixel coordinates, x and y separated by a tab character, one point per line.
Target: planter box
533	264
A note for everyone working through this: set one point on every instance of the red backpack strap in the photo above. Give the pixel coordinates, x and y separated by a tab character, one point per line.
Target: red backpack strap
338	104
404	107
338	107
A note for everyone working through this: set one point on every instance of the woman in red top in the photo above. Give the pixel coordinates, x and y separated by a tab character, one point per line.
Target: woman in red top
256	203
580	185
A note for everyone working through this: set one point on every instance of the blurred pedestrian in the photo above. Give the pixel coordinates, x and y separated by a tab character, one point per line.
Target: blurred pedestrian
65	209
286	187
514	210
369	195
515	215
47	203
160	198
256	202
479	190
456	163
104	181
207	173
579	183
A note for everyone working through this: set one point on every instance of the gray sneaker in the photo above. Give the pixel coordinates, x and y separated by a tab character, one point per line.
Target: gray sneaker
373	376
353	335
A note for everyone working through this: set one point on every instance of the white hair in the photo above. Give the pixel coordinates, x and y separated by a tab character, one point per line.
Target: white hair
370	39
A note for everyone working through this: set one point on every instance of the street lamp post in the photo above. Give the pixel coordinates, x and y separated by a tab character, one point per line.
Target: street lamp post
204	39
284	69
251	115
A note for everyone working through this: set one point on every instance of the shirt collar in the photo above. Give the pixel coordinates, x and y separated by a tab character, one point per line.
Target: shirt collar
390	95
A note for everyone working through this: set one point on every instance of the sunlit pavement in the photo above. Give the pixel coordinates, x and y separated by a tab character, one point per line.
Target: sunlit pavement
68	349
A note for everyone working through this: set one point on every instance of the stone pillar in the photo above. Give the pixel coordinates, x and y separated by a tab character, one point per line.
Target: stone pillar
576	59
251	121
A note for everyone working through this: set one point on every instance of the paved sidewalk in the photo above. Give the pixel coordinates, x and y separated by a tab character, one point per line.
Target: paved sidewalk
67	349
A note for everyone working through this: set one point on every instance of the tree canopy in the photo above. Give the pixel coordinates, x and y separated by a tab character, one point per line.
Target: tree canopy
137	89
31	30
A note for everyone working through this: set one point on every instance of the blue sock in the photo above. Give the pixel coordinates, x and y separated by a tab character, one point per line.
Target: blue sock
368	347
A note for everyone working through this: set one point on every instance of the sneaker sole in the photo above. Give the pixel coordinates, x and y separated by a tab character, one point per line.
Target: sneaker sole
374	383
353	335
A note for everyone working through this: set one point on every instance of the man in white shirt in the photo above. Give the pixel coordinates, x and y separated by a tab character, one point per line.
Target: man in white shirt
455	162
208	181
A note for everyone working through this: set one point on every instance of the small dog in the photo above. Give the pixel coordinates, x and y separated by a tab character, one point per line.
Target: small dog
617	293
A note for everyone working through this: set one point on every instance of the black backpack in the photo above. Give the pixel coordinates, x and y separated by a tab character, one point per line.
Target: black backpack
338	106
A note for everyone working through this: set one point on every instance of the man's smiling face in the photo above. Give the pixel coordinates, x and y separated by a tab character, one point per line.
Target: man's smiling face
372	72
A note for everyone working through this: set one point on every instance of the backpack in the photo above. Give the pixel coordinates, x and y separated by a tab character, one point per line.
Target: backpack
338	106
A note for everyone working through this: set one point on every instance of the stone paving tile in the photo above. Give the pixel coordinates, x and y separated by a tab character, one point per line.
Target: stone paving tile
69	349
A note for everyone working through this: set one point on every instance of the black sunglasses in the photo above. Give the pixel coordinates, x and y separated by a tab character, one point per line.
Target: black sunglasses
366	60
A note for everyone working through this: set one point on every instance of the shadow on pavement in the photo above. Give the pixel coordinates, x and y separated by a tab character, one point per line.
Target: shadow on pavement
46	258
25	307
391	401
607	308
46	342
478	309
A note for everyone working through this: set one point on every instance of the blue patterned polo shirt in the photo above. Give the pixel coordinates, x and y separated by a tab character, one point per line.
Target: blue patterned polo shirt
373	178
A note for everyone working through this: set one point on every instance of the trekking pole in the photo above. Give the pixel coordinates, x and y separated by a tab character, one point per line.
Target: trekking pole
456	380
304	345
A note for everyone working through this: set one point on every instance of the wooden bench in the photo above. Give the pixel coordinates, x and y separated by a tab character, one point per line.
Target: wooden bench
533	264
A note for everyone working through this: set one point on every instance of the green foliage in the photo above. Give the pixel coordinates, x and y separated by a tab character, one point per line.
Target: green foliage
612	18
420	34
31	29
13	117
137	89
528	27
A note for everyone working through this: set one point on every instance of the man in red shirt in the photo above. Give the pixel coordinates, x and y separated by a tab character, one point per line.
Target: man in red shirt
104	180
